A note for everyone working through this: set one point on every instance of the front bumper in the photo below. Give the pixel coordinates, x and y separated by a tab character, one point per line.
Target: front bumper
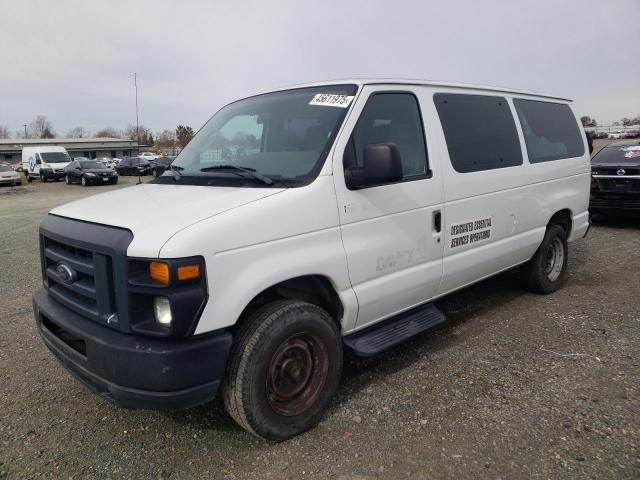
48	173
629	203
9	180
133	371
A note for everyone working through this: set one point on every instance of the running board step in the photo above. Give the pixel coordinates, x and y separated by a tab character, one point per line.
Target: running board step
394	331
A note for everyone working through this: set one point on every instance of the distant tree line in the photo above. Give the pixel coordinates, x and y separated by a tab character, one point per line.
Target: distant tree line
41	127
588	121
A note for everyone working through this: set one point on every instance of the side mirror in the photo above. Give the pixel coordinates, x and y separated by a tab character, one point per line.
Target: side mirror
382	164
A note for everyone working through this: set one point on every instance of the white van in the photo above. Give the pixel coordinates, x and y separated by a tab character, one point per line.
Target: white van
45	163
301	222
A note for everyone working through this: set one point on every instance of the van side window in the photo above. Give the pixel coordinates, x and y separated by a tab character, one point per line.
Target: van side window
390	118
480	131
550	130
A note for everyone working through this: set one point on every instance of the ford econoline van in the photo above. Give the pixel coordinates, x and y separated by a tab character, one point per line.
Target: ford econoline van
302	222
45	163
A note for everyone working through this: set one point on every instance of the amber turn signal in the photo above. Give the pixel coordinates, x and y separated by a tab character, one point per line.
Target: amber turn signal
159	272
188	272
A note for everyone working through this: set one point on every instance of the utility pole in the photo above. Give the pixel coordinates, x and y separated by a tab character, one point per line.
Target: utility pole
25	130
135	83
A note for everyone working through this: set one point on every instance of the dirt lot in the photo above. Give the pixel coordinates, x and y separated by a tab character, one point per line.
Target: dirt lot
515	385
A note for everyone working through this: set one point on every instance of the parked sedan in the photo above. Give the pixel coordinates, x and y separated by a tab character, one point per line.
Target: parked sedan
8	176
161	164
615	178
133	166
89	172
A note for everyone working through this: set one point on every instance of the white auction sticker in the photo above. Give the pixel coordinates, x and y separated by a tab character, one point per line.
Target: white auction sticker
330	100
474	231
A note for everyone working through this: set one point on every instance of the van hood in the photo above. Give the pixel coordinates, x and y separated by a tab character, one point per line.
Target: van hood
154	213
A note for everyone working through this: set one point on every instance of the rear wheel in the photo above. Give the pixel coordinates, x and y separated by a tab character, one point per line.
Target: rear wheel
546	272
284	369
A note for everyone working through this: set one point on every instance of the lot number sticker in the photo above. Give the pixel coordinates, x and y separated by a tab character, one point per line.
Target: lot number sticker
329	100
474	231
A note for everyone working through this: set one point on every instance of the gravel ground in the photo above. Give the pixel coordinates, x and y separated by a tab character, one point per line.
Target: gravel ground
514	385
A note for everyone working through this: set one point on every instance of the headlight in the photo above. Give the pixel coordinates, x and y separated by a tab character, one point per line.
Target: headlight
162	311
89	174
167	295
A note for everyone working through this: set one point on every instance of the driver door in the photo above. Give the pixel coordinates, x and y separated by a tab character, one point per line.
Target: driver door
391	233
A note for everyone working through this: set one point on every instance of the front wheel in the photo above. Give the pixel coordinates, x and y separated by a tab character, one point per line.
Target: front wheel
546	272
84	181
67	180
284	369
29	178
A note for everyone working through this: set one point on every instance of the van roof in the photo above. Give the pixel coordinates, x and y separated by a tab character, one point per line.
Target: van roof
432	83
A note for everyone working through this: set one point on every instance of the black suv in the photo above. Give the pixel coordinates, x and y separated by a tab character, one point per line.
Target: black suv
615	178
89	172
133	166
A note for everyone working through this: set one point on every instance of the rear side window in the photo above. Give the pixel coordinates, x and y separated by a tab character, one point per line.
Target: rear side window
480	132
550	130
391	118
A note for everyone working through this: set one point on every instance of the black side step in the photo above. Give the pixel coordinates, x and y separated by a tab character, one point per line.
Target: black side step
395	330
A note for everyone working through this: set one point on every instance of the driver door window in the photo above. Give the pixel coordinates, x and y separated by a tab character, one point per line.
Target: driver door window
391	118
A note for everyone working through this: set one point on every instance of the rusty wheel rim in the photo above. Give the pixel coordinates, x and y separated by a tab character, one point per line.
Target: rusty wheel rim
297	373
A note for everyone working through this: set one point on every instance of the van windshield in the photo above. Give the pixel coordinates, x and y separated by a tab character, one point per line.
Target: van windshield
55	157
283	136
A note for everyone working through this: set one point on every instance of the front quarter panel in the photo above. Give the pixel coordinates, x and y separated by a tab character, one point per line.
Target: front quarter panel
253	247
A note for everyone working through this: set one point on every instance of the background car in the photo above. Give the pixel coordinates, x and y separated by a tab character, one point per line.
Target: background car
89	172
8	176
617	134
148	155
108	162
133	166
615	178
160	165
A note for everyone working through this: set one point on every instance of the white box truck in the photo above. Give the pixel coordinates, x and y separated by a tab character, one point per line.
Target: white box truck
302	222
44	162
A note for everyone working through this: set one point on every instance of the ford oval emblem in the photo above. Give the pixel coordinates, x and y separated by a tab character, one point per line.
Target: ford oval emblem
66	273
621	172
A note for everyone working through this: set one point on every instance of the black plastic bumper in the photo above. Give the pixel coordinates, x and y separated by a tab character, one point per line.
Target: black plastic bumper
610	204
133	371
51	174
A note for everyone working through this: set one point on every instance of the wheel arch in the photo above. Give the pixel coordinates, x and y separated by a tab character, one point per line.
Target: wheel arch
564	218
315	289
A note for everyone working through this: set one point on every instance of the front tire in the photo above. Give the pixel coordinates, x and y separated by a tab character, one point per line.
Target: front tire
283	370
67	180
546	272
84	181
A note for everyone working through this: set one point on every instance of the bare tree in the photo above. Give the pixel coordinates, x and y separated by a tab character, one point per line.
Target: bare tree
41	128
142	134
77	132
107	132
166	139
4	132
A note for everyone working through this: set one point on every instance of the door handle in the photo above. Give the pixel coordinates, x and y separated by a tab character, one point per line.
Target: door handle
437	221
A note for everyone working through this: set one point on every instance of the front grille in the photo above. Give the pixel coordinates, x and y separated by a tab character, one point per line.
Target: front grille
89	291
619	185
614	171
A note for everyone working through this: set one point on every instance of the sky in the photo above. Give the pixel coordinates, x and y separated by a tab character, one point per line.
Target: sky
74	61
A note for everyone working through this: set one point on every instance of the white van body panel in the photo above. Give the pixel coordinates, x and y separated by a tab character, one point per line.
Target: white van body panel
30	155
377	246
253	247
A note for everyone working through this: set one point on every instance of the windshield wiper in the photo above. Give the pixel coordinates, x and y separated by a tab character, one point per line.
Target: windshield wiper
251	172
176	172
